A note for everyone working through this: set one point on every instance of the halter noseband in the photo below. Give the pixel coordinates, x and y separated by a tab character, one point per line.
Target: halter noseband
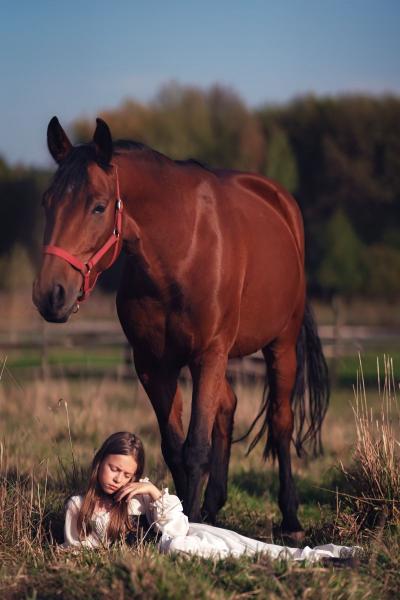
86	268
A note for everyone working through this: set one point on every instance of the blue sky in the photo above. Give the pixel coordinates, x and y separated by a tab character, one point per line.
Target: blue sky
76	58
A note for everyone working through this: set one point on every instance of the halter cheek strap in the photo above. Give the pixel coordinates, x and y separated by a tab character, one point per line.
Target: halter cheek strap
86	268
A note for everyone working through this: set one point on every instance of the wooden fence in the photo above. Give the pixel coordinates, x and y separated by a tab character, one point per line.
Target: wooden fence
92	337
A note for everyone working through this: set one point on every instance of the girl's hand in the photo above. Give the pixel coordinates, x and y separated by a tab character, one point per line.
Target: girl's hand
130	490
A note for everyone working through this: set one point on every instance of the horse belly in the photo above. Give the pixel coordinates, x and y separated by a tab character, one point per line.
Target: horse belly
274	286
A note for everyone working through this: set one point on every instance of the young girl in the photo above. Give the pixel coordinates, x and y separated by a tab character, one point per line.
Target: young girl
117	495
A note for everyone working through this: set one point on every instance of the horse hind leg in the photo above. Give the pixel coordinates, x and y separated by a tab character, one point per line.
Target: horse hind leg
217	486
281	363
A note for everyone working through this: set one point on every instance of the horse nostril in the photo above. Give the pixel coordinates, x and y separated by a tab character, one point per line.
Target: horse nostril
57	297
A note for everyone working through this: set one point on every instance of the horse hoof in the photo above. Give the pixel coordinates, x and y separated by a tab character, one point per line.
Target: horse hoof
341	563
293	538
208	517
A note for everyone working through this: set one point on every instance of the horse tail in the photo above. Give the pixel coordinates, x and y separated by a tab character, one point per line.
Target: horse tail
310	396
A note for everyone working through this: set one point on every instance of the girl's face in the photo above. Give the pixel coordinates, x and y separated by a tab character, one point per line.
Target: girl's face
115	471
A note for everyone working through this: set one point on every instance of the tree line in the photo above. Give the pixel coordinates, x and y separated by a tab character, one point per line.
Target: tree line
339	156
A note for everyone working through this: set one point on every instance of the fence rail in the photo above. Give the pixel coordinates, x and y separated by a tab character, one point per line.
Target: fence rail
98	336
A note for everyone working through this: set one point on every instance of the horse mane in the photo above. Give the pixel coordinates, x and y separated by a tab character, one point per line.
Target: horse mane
193	162
131	146
73	170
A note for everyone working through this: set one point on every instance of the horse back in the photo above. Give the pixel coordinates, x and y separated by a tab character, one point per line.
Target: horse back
275	197
267	244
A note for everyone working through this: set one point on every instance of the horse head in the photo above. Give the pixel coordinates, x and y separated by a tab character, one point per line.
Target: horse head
83	220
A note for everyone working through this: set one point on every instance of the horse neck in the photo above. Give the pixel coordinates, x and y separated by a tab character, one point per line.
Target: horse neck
151	191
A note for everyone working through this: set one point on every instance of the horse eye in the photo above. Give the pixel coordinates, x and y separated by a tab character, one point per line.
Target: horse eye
99	208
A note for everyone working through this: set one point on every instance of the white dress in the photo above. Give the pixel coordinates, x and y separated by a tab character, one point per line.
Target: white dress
178	535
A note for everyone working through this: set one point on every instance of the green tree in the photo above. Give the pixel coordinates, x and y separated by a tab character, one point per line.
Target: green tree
281	161
342	271
383	271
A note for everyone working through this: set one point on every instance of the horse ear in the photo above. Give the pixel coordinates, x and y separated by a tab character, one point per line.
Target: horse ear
103	142
57	141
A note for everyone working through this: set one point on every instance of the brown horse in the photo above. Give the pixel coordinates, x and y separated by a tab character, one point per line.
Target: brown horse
214	270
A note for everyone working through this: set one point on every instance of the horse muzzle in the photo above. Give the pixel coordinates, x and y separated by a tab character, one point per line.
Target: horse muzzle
55	303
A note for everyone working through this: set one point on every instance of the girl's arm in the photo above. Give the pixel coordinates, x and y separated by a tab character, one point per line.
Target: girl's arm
163	510
143	486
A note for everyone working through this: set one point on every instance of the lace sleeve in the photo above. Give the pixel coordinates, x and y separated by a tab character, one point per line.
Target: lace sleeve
166	514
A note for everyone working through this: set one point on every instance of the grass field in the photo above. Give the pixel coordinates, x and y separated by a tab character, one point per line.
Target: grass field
49	430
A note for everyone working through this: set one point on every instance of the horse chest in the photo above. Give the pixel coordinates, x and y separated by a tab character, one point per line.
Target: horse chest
150	327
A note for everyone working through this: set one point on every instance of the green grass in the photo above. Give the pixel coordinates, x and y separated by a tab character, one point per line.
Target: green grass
348	365
78	357
121	574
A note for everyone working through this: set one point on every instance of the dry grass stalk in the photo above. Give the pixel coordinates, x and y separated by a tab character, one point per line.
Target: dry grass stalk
3	366
23	506
374	475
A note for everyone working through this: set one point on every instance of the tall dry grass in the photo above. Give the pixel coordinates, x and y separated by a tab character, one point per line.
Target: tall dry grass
374	474
23	508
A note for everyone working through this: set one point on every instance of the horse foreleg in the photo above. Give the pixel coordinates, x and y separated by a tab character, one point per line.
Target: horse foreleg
217	486
208	373
281	367
162	388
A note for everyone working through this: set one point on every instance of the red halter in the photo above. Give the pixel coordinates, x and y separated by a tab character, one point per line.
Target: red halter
86	268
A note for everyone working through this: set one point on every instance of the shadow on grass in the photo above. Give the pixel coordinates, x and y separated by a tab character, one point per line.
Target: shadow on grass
266	485
53	525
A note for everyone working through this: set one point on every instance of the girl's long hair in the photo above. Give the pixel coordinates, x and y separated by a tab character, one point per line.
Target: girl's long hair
119	524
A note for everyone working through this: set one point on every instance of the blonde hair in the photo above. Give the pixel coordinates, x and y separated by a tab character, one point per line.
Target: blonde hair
119	523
